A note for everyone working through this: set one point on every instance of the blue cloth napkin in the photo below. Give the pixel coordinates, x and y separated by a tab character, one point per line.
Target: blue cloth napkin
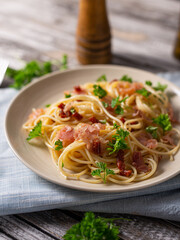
22	191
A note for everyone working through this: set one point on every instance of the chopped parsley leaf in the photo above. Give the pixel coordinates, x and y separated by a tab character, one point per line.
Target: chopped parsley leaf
72	110
163	121
116	103
64	62
153	131
58	145
118	141
102	168
103	121
67	95
126	78
48	105
102	78
160	87
35	132
105	104
115	126
143	92
99	91
149	83
62	164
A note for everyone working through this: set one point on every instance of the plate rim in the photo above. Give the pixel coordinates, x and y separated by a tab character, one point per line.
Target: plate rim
69	185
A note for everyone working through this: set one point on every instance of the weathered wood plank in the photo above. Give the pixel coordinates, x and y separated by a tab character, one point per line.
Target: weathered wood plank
4	236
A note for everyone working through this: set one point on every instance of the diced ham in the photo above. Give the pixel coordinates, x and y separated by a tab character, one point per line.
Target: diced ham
77	116
126	88
79	90
121	165
65	111
122	119
147	140
35	114
93	119
168	139
90	135
66	135
138	162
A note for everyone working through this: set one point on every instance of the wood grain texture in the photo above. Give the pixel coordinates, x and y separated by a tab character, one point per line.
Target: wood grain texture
143	36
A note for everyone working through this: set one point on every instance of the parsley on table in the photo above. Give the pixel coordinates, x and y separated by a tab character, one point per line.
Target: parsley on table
118	141
126	78
153	131
48	105
64	62
99	91
143	92
105	104
102	168
116	103
35	132
102	78
149	83
92	228
160	87
67	95
58	145
163	121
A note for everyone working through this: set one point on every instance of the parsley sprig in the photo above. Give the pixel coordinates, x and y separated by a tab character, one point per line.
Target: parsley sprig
58	145
99	91
153	131
116	103
118	141
143	92
92	228
35	132
160	87
102	78
102	169
163	121
126	78
67	95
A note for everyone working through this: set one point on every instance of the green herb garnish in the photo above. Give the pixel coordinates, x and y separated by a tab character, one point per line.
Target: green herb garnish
126	78
35	132
58	145
115	126
102	78
118	141
72	110
92	228
163	121
149	83
67	95
103	121
99	91
116	103
48	105
143	92
102	169
62	164
160	87
64	62
153	131
105	104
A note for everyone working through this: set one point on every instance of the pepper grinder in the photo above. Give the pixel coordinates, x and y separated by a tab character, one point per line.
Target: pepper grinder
93	37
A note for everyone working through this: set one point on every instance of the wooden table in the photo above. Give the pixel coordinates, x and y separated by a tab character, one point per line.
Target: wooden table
143	36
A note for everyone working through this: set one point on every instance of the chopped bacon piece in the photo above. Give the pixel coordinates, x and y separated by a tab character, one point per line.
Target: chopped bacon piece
126	88
61	106
93	119
121	165
77	116
122	119
138	162
168	138
90	135
96	146
35	114
79	90
66	135
147	140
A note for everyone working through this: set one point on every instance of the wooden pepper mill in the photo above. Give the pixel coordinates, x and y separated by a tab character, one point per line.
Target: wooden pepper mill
93	35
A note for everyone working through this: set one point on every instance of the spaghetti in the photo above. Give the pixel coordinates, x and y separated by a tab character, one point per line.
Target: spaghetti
114	131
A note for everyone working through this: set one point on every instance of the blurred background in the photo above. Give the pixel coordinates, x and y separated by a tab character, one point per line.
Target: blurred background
143	32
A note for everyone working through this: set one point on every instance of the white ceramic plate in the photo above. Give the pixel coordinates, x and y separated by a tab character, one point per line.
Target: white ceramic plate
50	88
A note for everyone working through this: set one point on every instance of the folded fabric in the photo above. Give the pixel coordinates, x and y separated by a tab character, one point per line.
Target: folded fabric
22	191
